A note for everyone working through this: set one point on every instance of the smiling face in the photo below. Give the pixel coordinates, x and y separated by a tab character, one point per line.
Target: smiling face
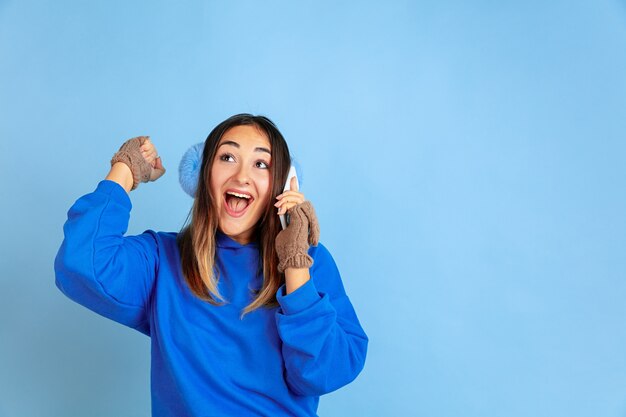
241	180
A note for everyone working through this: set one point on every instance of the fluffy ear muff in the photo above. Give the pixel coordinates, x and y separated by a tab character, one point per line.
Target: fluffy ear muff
189	169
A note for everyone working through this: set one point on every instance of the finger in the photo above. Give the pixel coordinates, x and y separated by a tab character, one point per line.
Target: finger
157	169
152	153
285	207
156	174
291	193
289	207
147	143
281	202
291	199
293	184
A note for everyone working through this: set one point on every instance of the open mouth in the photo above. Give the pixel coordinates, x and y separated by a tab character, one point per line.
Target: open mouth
236	203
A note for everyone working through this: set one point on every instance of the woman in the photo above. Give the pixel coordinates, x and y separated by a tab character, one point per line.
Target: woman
244	319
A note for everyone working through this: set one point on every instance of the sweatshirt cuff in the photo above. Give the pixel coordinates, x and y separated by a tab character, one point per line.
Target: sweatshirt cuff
299	300
115	191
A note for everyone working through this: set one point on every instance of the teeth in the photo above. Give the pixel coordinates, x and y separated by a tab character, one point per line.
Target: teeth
238	195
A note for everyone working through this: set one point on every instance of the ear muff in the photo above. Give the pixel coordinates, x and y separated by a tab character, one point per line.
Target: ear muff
189	169
191	163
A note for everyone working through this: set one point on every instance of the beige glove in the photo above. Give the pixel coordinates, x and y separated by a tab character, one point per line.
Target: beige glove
292	244
130	154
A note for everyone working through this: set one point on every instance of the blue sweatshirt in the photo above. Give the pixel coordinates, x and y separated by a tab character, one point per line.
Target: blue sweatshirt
206	360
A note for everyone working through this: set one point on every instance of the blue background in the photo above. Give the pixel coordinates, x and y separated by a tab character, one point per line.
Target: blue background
466	160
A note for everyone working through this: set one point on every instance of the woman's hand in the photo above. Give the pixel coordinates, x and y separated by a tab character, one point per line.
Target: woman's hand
289	199
292	245
137	161
151	156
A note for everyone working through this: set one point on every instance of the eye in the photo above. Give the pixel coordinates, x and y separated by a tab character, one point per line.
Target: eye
262	164
226	156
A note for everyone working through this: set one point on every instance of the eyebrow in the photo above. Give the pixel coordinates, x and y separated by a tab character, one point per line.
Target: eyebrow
236	145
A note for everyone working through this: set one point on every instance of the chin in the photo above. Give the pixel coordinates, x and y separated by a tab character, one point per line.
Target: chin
240	234
242	228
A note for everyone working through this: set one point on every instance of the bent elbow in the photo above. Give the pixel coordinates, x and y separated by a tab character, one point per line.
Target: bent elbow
70	273
323	377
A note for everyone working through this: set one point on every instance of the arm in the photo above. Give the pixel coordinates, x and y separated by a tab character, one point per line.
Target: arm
96	265
293	245
295	278
324	346
121	174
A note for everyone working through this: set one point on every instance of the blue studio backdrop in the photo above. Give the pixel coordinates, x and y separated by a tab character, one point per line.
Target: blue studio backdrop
466	160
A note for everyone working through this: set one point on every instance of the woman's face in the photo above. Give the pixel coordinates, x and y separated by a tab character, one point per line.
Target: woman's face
241	180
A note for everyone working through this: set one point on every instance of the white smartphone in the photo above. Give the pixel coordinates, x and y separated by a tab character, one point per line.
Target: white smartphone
284	218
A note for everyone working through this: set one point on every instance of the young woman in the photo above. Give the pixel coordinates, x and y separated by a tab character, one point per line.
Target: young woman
245	319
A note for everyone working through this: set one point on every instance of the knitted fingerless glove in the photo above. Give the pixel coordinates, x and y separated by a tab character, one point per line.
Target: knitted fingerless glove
130	154
292	243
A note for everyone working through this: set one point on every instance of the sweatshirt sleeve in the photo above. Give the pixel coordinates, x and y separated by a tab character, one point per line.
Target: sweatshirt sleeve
324	346
100	268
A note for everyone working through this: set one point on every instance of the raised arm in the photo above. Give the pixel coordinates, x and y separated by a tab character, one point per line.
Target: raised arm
97	266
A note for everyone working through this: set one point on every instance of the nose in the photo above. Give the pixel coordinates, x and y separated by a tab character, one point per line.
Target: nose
242	176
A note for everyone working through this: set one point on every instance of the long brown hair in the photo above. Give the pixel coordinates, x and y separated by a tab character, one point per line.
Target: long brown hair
197	242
